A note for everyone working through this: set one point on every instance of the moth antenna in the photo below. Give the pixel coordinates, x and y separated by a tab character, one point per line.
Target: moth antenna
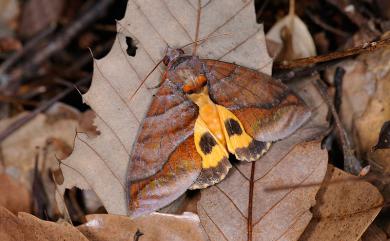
197	28
147	76
206	38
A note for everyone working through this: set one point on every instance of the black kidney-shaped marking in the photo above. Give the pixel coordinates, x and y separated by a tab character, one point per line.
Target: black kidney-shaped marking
207	142
233	127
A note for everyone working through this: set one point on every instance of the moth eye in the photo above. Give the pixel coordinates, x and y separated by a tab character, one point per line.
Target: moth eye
166	60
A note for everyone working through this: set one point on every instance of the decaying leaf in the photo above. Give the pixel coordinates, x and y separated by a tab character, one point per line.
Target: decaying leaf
384	137
366	103
293	37
344	209
47	137
152	25
256	201
13	195
156	226
26	227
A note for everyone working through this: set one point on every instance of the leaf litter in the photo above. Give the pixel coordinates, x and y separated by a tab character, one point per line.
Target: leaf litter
118	116
47	137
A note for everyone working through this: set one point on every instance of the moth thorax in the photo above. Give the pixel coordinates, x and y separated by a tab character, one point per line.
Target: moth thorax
194	83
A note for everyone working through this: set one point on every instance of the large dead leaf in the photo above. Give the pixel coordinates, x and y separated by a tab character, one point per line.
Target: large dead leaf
16	200
26	227
100	163
344	210
248	203
156	226
48	136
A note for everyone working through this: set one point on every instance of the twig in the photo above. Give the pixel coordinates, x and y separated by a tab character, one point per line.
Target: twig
332	182
287	76
29	46
261	10
351	163
338	83
23	120
367	47
62	39
317	20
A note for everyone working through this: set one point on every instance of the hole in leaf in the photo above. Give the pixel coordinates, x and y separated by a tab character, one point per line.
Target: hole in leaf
131	48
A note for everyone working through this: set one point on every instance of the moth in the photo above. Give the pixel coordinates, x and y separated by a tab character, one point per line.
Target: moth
206	110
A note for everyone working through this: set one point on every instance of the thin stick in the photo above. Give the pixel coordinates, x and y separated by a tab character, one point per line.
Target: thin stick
332	182
351	163
303	62
29	46
290	75
317	20
62	39
261	10
291	10
23	120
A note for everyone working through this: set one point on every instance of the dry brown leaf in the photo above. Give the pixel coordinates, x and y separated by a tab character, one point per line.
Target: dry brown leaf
26	227
366	103
344	209
48	136
13	195
294	38
155	226
100	163
278	214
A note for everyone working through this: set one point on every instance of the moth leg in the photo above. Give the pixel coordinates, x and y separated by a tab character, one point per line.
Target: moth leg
238	142
215	158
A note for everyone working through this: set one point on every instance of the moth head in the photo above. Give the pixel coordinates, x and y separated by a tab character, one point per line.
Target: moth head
189	74
172	54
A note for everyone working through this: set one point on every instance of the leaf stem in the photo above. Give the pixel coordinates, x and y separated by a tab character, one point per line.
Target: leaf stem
250	201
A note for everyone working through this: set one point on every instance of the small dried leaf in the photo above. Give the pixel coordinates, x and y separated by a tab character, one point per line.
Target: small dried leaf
345	208
28	227
155	226
294	37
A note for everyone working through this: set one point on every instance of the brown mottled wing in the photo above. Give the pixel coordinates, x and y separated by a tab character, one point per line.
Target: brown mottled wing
268	109
159	190
168	123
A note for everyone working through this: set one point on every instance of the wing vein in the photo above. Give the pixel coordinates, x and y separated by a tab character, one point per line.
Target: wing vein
288	193
231	200
214	223
104	161
116	92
